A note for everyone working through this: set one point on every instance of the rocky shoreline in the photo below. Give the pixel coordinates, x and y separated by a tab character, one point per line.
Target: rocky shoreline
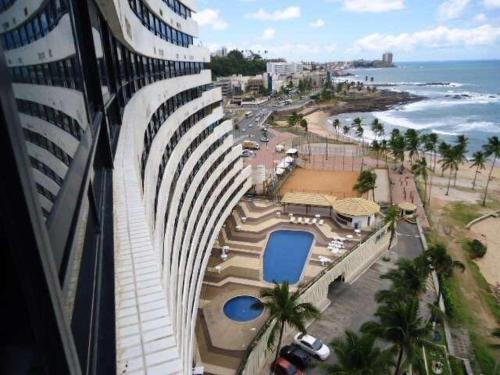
384	101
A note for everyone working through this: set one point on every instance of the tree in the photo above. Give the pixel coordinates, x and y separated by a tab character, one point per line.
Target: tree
400	324
397	146
377	128
346	129
293	119
449	162
412	143
441	262
392	218
419	169
375	146
460	150
408	280
366	182
492	148
443	148
431	145
304	125
336	126
478	162
358	355
384	148
285	308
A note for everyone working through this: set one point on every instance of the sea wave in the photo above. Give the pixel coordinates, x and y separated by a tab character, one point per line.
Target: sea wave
391	118
483	126
452	99
421	84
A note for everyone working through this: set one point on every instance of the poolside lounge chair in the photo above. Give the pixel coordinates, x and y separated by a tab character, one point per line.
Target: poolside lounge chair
292	219
321	222
307	220
314	221
299	220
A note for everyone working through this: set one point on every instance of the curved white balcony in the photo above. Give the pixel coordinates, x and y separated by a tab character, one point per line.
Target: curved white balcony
47	158
63	139
66	100
128	28
164	12
218	221
20	11
56	45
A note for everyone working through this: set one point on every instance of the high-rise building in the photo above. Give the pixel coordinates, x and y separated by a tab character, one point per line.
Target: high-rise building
387	58
283	68
118	173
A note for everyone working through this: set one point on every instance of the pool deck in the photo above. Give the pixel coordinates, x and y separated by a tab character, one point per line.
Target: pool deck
222	341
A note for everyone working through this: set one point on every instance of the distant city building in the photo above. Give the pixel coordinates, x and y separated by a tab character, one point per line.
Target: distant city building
387	58
283	68
222	52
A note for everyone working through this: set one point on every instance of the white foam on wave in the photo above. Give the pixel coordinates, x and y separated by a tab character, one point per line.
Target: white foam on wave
483	126
390	118
442	132
462	98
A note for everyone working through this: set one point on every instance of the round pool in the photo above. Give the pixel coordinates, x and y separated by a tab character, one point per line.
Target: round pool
242	309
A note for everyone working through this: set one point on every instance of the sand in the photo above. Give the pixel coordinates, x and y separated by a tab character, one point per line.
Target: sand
338	184
488	232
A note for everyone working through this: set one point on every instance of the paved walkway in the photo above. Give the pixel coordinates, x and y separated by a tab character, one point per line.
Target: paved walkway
352	305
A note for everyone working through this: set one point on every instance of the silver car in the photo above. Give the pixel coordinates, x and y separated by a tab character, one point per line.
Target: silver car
312	345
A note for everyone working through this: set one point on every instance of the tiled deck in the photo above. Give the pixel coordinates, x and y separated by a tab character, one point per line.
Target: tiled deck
221	341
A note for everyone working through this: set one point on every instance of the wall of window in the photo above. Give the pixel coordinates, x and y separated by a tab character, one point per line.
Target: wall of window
41	141
157	26
46	170
5	4
62	73
36	27
49	114
178	8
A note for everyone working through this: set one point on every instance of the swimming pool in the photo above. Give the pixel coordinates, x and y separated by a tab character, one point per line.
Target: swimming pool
242	308
285	255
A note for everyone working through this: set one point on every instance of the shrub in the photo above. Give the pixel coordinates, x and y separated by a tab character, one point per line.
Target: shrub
476	249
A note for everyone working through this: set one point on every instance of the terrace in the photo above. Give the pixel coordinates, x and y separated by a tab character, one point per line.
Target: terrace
236	268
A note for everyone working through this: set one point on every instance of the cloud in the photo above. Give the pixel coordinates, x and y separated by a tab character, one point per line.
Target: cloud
439	37
491	3
452	9
319	23
210	17
481	17
277	15
268	34
374	6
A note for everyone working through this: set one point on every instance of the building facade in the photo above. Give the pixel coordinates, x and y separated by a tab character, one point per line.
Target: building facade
121	172
283	68
387	58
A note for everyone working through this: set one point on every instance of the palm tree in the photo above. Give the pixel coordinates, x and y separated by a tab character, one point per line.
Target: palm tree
366	182
442	263
384	149
346	129
478	162
408	280
420	169
492	148
400	324
444	148
375	146
449	161
392	218
412	142
336	126
397	145
305	125
285	308
432	141
460	150
293	119
358	355
377	128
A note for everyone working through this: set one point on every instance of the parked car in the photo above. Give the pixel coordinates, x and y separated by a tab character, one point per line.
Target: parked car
283	367
247	153
296	356
264	139
312	345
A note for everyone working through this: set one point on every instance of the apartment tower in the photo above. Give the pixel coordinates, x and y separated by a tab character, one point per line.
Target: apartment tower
118	171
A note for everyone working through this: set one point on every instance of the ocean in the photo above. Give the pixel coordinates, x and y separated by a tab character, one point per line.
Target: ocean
462	97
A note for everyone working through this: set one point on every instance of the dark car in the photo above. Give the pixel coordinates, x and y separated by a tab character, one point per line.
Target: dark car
296	356
283	367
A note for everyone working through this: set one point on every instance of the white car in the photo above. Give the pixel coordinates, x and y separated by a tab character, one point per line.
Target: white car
312	345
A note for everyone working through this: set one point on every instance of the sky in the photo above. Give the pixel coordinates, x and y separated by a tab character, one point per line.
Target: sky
333	30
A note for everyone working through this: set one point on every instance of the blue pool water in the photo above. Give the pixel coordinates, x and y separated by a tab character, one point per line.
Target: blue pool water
242	309
286	254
